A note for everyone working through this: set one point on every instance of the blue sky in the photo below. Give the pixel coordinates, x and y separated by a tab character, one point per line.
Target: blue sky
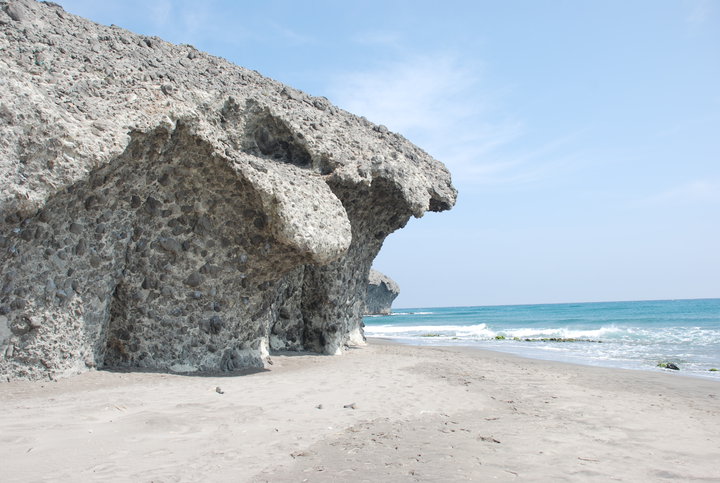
583	136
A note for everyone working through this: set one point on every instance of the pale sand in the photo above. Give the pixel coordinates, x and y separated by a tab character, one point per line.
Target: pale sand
422	414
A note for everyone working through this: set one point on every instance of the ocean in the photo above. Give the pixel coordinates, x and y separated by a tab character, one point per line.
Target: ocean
630	335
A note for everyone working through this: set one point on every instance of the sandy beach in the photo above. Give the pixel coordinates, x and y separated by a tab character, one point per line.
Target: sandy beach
384	412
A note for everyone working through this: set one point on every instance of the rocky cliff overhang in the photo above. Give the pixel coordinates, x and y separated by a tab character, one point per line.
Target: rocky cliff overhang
381	292
164	208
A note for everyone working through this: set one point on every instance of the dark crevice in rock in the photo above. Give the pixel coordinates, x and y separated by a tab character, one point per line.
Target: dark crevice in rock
334	295
437	205
116	353
270	136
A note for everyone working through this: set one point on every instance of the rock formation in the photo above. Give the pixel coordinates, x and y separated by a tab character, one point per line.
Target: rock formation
381	291
164	208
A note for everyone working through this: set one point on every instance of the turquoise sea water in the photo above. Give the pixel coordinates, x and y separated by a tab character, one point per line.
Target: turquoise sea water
631	335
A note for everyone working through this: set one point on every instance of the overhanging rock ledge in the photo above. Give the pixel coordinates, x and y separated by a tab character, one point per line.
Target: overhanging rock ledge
163	208
381	292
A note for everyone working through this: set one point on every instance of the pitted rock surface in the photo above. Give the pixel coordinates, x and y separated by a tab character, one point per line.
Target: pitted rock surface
381	292
164	208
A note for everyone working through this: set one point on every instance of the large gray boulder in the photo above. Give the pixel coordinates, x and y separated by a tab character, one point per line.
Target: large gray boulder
164	208
381	292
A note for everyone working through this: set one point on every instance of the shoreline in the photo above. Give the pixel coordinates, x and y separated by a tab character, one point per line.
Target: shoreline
566	360
630	335
420	414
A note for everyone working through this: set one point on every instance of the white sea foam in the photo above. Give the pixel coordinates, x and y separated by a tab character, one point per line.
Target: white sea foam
563	333
464	331
633	334
482	331
410	313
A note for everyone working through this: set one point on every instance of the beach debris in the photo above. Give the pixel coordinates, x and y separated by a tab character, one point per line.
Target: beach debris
499	337
668	365
219	391
587	459
296	454
713	369
319	406
350	406
488	439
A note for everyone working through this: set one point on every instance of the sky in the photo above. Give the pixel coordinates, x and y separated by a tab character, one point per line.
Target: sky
583	136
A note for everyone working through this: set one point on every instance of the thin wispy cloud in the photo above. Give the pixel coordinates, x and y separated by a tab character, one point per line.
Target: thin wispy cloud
530	165
183	19
700	12
392	40
441	103
693	192
160	12
291	35
408	95
196	20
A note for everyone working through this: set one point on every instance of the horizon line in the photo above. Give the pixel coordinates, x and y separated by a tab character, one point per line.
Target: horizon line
555	303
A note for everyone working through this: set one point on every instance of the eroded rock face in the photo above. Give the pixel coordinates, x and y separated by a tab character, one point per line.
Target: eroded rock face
381	292
163	208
